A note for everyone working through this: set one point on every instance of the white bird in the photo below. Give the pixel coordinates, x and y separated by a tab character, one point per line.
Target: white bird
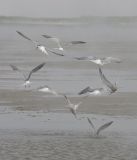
101	128
92	91
73	107
40	47
56	40
27	78
113	88
47	89
100	61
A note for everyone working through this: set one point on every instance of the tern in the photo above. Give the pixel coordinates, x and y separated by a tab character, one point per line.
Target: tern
73	107
40	47
100	61
27	78
113	88
101	128
47	89
56	40
92	91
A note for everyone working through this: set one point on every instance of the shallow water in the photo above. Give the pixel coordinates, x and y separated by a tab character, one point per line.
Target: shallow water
103	39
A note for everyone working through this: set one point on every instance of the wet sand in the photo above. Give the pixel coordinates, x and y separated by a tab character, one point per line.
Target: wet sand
37	126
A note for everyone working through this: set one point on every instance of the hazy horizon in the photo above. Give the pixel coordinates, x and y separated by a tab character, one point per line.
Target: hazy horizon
68	8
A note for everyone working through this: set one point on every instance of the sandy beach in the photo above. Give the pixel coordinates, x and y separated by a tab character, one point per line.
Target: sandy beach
43	128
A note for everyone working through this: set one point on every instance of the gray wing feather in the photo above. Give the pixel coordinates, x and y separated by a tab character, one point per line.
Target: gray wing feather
106	81
35	70
14	68
24	36
85	58
53	39
90	122
87	89
67	100
104	126
78	42
46	36
59	54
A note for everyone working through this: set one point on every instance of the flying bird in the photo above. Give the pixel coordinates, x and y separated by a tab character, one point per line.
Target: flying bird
113	88
27	78
100	61
56	40
101	128
47	89
73	107
92	91
40	47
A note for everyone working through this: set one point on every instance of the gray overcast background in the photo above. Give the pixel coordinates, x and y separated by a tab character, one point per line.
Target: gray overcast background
68	8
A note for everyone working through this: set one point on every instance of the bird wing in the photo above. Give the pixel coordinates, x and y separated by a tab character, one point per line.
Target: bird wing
106	81
85	58
104	126
90	122
14	68
78	42
67	100
50	89
59	54
47	36
41	87
56	40
85	90
112	59
35	70
24	36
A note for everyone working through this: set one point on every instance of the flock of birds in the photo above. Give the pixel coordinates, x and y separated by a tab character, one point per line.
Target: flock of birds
108	87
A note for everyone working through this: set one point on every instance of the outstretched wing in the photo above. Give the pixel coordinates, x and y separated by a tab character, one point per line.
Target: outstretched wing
14	68
35	70
24	36
112	59
85	90
47	89
78	42
59	54
106	81
56	40
85	58
47	36
104	126
67	100
90	122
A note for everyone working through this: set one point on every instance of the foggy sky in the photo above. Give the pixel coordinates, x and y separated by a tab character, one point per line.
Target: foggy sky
68	8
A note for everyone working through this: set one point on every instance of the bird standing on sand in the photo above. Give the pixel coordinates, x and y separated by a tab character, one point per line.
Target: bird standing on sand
27	78
40	47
